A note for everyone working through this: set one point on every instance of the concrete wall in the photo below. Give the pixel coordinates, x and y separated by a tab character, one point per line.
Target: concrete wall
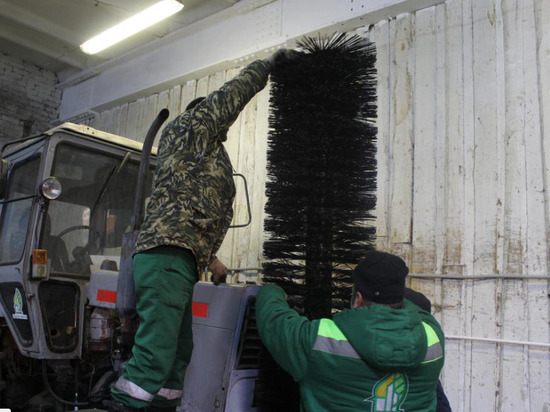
463	173
29	99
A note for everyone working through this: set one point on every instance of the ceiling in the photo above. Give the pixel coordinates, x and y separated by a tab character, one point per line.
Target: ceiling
48	33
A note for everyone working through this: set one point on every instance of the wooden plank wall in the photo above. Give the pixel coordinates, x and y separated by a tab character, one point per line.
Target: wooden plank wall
463	187
463	183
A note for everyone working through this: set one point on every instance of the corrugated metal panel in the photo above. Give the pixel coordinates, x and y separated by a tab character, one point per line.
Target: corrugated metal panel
464	92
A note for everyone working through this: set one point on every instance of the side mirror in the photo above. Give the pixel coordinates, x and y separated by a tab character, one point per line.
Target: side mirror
3	178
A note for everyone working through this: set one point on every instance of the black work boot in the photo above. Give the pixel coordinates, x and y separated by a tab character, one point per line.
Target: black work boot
161	409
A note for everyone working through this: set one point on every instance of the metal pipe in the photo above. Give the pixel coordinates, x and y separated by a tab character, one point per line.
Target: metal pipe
245	269
248	209
144	167
503	341
443	277
480	277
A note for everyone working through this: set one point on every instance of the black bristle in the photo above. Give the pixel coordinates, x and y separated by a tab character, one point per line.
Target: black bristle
321	168
321	186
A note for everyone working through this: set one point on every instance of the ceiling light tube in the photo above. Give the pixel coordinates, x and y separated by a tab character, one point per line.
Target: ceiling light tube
131	26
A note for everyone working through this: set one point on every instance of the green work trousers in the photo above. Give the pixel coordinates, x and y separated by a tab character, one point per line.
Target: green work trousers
164	278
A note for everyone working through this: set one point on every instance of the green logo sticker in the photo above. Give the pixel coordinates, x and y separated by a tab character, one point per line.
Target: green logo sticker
18	306
389	393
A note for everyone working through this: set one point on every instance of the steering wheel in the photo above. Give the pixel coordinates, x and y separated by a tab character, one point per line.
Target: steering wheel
82	260
72	229
94	238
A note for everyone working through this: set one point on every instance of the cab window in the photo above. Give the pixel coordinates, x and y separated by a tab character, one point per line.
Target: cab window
15	213
83	228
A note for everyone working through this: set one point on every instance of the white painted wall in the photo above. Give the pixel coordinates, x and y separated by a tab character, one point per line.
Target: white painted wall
463	186
463	158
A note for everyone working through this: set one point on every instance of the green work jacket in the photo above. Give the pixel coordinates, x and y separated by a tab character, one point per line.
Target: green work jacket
367	359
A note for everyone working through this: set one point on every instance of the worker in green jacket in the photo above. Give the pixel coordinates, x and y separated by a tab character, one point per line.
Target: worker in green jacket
384	354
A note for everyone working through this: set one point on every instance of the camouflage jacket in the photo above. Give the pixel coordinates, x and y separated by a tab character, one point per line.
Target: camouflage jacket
191	205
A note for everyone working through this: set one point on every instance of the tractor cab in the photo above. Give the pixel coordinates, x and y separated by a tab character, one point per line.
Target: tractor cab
71	200
67	198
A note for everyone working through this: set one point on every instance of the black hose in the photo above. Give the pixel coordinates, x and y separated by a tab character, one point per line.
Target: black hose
49	388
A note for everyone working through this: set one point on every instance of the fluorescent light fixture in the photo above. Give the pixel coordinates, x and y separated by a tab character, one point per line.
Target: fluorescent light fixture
131	26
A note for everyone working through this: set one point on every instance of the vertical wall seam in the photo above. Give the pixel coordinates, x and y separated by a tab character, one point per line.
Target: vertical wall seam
469	193
442	149
391	128
411	66
525	233
501	193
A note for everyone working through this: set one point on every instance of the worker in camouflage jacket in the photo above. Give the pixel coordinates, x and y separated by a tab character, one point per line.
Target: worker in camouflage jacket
187	217
384	354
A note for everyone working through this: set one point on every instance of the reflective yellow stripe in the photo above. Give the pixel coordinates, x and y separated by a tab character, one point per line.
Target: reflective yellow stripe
330	339
435	350
430	334
328	329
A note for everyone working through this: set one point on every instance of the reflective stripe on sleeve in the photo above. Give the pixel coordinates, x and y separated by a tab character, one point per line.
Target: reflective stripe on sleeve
133	390
170	393
328	329
435	350
330	339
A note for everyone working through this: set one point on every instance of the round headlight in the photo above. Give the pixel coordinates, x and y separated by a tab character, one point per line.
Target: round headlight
51	188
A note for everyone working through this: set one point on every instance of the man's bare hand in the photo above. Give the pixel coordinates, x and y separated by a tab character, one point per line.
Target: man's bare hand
219	271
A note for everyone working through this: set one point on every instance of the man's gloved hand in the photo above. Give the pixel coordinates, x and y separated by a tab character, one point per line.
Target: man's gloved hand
219	271
282	56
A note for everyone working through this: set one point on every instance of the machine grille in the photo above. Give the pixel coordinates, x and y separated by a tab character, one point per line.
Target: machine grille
250	343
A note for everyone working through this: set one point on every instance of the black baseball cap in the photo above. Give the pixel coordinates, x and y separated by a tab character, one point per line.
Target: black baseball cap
380	277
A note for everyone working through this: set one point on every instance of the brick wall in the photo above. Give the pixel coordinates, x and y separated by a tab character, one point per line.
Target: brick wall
29	100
